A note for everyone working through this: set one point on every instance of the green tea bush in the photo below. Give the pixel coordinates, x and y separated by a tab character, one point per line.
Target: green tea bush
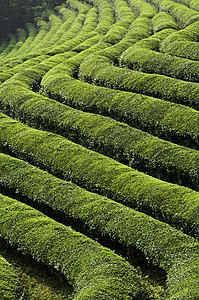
72	31
94	212
99	70
174	122
163	20
43	28
10	46
183	15
149	61
94	272
183	43
117	140
55	23
139	29
20	40
62	31
8	71
142	8
92	170
193	4
106	16
82	29
9	283
3	45
32	32
124	17
161	244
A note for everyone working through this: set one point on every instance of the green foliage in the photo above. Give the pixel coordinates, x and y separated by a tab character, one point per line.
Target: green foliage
91	39
36	280
161	244
94	271
182	14
99	173
163	20
99	71
143	8
9	282
117	140
183	43
143	58
135	109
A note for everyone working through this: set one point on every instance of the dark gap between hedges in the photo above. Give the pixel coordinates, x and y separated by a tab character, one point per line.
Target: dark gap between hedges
31	268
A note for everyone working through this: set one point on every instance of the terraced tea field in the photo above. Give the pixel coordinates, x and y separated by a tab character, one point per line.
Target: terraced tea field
99	152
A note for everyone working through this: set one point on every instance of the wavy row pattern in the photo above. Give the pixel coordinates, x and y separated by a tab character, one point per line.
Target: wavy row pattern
99	151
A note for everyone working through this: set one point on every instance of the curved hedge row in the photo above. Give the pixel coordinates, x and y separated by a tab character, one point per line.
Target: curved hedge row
102	134
183	43
134	109
124	17
9	282
90	40
9	46
32	32
94	271
149	61
94	171
193	4
163	20
76	204
142	8
99	70
161	244
182	14
21	37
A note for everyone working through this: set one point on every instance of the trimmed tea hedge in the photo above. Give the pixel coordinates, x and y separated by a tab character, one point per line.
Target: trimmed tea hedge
134	109
92	170
162	245
183	43
94	271
32	32
193	4
3	45
163	20
20	40
10	46
76	54
139	29
143	8
9	283
99	70
183	15
87	209
138	149
145	60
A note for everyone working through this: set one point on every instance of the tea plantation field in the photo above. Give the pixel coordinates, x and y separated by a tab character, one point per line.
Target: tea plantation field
99	152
